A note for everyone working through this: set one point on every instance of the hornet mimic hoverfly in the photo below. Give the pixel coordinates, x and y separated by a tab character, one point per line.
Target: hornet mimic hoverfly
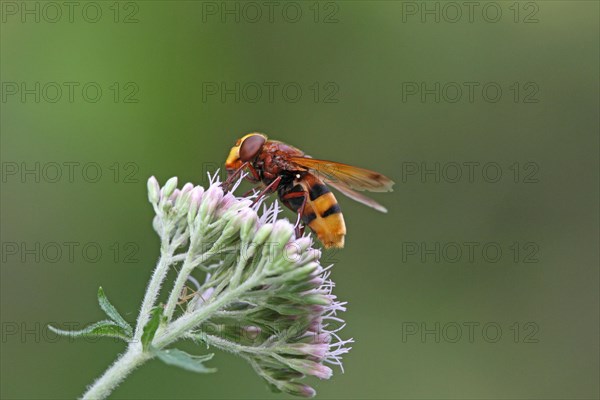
301	183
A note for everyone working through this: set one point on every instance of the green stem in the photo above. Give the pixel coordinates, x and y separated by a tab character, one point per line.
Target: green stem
116	373
160	272
186	269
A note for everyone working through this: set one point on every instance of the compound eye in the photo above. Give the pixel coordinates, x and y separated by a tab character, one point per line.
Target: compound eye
250	147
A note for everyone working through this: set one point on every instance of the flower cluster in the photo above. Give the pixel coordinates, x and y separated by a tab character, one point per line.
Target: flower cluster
264	296
279	312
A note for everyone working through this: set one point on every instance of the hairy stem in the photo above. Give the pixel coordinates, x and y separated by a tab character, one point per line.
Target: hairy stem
186	269
116	373
160	272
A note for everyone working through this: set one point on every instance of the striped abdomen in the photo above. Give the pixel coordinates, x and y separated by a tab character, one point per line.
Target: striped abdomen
321	211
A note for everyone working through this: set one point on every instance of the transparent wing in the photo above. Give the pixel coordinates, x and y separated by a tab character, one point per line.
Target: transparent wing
346	175
354	195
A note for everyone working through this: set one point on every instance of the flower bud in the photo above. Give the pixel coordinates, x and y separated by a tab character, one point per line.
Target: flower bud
298	389
284	374
232	227
309	368
153	190
227	201
187	188
308	256
310	284
211	199
169	187
195	199
317	350
249	220
318	299
303	243
282	232
175	195
316	324
262	234
291	252
314	337
183	200
301	273
230	207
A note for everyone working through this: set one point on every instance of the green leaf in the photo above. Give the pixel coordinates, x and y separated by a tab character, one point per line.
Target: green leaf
112	312
104	328
186	361
152	326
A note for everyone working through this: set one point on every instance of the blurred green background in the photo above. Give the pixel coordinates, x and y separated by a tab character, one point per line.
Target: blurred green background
360	67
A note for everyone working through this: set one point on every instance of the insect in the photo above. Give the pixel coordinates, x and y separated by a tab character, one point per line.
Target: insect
302	183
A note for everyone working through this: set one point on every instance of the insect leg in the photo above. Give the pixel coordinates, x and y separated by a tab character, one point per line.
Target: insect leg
299	226
271	187
254	172
255	178
232	177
